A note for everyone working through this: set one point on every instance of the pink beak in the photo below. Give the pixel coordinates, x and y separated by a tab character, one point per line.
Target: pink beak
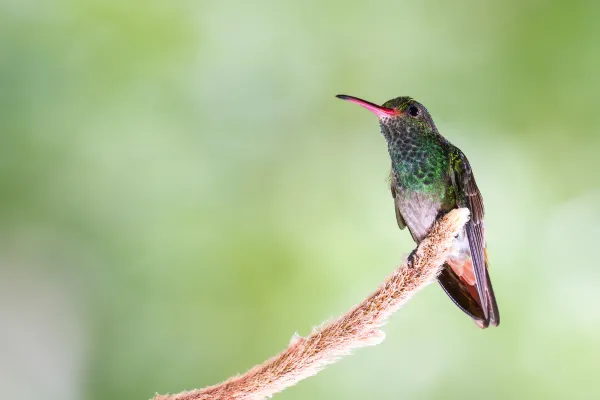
374	108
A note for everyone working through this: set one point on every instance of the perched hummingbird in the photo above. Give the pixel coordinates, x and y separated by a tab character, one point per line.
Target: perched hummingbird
429	178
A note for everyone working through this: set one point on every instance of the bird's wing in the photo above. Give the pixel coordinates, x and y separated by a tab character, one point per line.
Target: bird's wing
399	218
468	195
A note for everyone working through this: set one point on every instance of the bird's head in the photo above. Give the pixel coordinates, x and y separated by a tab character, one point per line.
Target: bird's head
397	116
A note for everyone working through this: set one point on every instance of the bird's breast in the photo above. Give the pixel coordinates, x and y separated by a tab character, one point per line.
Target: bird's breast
419	211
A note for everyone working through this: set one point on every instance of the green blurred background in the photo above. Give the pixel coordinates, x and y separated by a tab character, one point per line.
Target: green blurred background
181	192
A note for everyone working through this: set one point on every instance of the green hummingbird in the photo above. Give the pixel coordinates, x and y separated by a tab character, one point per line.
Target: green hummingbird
430	177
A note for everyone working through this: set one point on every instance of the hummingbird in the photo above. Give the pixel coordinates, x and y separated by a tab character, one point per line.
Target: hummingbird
430	177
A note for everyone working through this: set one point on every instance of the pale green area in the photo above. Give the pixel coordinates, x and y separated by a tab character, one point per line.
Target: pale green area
181	192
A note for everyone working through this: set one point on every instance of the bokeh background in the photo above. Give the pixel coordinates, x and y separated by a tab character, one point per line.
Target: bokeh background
181	192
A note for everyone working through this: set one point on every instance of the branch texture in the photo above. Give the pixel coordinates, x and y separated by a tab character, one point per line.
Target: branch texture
359	327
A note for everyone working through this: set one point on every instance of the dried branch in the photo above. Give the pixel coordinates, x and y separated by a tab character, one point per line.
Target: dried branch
305	357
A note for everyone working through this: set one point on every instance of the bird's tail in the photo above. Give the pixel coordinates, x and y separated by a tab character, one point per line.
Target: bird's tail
458	281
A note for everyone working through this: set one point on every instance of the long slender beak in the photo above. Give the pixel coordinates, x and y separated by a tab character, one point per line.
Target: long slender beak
374	108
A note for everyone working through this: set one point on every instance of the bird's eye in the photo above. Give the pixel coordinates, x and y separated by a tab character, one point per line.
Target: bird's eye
414	111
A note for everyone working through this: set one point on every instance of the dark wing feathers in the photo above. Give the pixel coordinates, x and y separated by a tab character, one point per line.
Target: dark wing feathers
468	195
399	218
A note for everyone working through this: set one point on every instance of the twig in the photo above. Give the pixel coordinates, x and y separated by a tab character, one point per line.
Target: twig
305	357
